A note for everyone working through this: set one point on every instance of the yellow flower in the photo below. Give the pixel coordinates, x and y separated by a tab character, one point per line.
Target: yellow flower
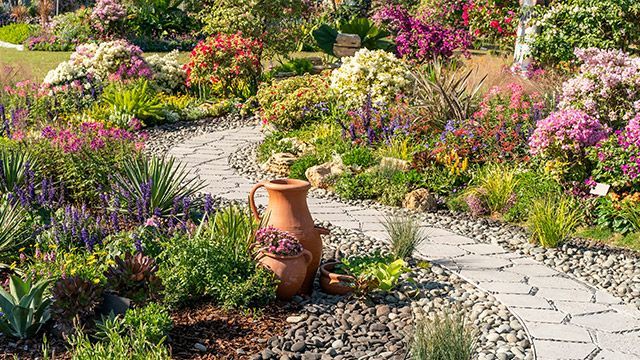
21	249
96	281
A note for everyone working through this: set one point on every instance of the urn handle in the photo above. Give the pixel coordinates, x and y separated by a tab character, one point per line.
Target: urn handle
252	200
308	256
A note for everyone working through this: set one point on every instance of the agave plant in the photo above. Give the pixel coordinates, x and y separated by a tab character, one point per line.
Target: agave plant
154	186
14	166
74	298
24	309
134	277
12	230
445	94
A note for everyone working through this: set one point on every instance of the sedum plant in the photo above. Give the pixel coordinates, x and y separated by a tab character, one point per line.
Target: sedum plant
553	220
445	337
24	307
134	277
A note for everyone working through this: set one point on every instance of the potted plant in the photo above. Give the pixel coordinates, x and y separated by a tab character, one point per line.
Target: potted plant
282	253
131	280
361	274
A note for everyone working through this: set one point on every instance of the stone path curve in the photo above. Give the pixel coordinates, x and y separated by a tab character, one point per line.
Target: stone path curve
565	318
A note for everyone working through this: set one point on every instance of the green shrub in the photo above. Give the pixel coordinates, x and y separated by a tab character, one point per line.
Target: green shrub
296	66
116	341
291	103
531	185
389	186
17	33
301	165
153	320
553	219
137	100
210	263
567	25
360	157
621	215
494	188
445	337
272	145
405	235
356	186
400	148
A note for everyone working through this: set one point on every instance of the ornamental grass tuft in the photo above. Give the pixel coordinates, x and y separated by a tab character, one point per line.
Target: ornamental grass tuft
445	337
554	219
405	235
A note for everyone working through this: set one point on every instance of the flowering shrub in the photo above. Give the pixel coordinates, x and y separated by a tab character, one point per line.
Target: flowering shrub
376	73
566	133
107	16
111	60
64	32
566	25
169	75
492	22
371	124
92	136
278	242
607	87
228	63
617	159
292	102
420	40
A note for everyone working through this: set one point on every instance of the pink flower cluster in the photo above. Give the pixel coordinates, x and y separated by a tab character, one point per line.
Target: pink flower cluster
420	40
90	136
278	242
107	12
566	132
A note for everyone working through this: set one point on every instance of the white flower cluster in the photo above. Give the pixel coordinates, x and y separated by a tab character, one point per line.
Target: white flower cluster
169	73
374	73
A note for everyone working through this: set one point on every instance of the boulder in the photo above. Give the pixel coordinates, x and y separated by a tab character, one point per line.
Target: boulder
421	200
298	147
394	164
279	163
348	40
320	175
342	51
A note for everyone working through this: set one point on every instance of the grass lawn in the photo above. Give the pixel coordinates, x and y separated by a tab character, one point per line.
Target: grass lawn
606	236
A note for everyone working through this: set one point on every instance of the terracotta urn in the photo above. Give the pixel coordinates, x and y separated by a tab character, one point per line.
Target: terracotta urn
287	210
334	283
290	270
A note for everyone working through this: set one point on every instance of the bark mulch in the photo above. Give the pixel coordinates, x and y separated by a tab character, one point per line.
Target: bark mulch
205	331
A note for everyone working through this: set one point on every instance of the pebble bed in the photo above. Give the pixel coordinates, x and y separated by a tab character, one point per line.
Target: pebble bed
379	326
614	270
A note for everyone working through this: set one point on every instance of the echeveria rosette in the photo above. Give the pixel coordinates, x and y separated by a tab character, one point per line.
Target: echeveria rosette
617	159
607	87
566	134
277	242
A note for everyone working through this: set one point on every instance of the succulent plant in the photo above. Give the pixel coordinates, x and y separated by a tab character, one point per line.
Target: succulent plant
134	277
74	297
24	307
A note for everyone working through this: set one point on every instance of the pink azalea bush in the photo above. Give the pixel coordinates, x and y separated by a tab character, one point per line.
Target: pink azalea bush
566	133
107	14
420	40
607	87
278	242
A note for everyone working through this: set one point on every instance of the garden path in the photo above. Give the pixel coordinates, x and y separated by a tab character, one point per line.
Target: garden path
565	318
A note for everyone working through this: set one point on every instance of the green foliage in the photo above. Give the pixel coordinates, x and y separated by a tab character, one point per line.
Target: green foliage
71	28
445	337
359	157
444	93
553	219
24	308
214	265
161	180
566	25
400	148
325	36
272	145
296	66
17	33
293	102
619	215
388	186
300	166
405	235
373	272
531	185
157	18
13	163
133	101
117	341
154	320
13	229
233	228
356	186
264	20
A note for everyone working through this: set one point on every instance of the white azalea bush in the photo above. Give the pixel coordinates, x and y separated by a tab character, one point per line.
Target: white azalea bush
112	60
169	75
374	73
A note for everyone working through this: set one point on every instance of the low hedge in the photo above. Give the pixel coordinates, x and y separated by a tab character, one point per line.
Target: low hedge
17	33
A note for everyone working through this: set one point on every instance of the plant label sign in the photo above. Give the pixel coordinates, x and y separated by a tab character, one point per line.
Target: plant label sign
600	189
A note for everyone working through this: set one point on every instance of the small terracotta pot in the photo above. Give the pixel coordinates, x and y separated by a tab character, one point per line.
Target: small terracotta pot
290	270
335	284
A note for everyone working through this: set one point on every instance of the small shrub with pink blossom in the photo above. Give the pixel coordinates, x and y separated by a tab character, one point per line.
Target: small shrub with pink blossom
617	159
420	40
566	134
607	86
107	16
277	242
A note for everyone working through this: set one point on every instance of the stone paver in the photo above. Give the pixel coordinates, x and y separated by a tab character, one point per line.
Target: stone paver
566	319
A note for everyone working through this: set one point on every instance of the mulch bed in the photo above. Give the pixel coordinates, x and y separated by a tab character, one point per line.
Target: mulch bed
225	334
